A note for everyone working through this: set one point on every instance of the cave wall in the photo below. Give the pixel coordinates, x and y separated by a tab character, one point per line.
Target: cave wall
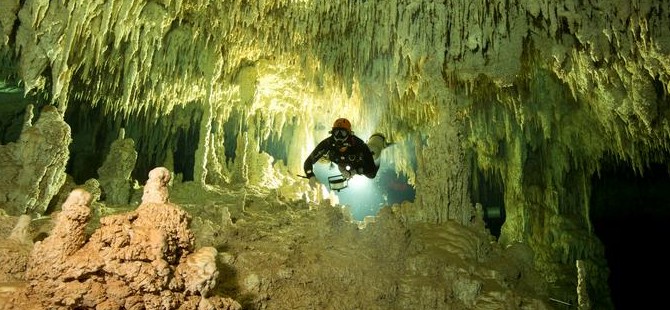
536	92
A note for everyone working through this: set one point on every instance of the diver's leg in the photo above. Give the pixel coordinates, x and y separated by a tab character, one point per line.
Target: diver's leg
376	143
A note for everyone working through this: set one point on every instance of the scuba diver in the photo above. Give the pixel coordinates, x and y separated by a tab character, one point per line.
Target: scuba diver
349	152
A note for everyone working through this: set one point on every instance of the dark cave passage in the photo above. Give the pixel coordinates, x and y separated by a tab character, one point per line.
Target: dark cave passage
629	212
489	192
184	154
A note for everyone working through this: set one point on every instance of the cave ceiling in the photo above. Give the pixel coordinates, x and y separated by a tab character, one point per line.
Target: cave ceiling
549	86
534	96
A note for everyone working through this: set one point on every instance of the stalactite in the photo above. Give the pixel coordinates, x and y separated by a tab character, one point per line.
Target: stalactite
383	64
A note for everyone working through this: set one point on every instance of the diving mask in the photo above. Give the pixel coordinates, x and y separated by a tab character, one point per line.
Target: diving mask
340	134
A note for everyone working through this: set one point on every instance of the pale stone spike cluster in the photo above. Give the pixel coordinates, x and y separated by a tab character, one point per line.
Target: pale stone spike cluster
132	56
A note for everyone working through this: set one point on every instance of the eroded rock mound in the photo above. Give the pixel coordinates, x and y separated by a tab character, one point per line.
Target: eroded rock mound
142	259
14	252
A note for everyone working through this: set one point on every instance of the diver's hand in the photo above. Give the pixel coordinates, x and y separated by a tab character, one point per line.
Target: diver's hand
313	182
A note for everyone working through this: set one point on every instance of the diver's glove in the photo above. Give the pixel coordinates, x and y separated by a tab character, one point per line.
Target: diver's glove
313	182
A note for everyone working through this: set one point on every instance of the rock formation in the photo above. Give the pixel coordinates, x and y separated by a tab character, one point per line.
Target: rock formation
142	259
32	169
114	174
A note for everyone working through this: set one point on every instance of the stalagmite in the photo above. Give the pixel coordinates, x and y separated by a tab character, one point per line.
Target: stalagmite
536	95
33	168
142	259
115	173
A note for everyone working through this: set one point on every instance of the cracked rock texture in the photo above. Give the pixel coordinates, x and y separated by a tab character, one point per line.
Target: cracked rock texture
143	259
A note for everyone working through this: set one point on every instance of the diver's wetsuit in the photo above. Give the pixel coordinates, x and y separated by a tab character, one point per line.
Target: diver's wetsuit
352	152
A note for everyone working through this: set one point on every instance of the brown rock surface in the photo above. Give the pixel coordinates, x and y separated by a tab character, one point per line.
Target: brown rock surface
142	259
14	252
